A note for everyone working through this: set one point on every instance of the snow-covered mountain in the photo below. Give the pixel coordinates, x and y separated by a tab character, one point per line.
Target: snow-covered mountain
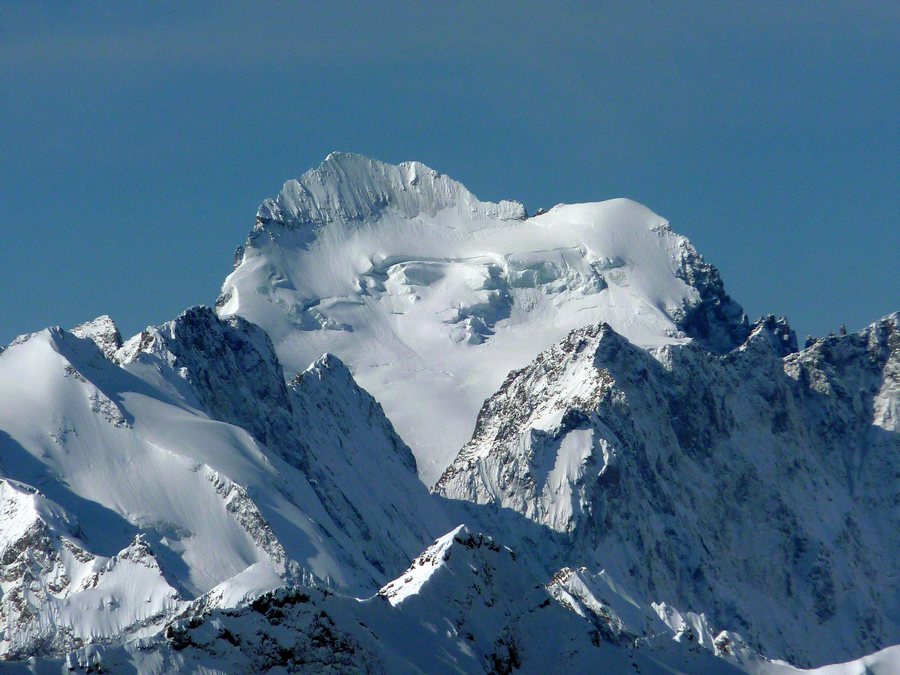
464	606
432	296
757	486
57	594
186	445
652	485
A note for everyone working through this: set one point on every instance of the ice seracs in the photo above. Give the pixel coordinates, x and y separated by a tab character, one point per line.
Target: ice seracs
431	296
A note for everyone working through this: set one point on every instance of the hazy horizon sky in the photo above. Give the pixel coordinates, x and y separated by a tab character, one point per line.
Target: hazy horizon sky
137	142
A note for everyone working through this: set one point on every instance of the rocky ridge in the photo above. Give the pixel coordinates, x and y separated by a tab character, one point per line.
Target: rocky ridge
693	464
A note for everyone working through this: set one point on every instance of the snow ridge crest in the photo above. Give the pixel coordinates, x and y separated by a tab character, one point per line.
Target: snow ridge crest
349	187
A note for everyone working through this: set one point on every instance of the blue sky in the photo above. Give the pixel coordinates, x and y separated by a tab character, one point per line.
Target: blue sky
136	142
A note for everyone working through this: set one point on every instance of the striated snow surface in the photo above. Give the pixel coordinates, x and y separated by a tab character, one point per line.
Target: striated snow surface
432	296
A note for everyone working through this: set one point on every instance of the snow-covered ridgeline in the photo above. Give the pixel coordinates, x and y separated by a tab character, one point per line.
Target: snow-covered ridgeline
56	595
464	605
164	439
756	486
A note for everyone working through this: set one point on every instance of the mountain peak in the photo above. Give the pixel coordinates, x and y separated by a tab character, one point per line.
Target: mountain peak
328	361
103	332
349	187
432	296
459	554
776	333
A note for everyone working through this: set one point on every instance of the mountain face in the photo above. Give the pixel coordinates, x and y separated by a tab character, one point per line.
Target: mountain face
184	448
318	423
759	486
432	296
652	484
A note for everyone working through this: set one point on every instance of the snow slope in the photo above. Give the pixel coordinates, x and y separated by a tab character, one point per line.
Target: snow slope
144	446
321	423
432	296
53	589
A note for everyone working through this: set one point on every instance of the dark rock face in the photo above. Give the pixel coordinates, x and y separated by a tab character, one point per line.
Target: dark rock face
322	423
781	337
716	321
232	368
288	629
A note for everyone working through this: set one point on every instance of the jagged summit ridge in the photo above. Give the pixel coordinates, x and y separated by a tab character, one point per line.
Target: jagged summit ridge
349	187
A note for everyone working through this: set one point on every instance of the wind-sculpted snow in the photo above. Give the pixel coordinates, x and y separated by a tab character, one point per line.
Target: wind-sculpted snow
432	296
347	188
756	487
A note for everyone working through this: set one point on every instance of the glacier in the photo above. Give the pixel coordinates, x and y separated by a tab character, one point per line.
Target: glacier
432	296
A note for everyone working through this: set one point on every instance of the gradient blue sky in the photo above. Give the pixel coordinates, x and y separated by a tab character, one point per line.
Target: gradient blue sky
136	143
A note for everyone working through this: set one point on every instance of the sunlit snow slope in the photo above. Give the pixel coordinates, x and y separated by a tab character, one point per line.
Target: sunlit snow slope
432	296
135	477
